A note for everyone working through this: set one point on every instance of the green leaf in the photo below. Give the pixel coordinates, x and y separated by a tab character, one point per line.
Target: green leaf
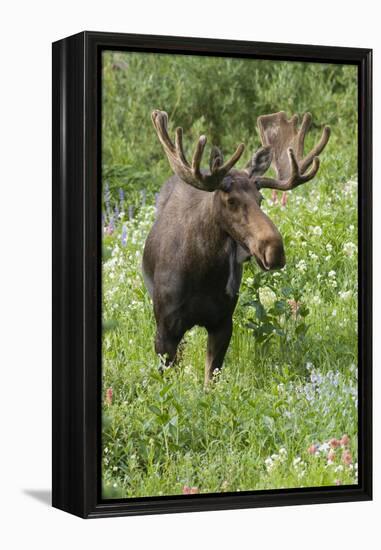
260	310
287	291
155	410
279	308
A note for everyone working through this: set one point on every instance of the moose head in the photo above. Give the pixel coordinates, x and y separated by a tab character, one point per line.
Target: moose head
209	221
237	195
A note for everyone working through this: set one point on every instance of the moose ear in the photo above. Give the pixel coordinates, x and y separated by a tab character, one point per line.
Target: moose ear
260	162
226	184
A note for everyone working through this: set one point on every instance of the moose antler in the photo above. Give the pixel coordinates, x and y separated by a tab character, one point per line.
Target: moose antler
287	143
191	173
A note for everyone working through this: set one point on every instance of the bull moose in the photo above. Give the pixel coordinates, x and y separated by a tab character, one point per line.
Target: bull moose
209	222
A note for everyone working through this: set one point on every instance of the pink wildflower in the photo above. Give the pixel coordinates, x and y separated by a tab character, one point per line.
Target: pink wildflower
334	443
312	449
109	394
294	306
331	456
274	197
190	490
337	482
346	457
284	199
344	440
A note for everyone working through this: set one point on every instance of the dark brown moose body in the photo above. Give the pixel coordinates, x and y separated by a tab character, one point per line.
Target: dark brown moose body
209	223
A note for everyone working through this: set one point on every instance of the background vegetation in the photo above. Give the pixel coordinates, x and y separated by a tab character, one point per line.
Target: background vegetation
284	410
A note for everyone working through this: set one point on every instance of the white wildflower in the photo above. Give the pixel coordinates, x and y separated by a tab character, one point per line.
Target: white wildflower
349	249
301	266
269	464
324	447
350	187
267	296
317	230
313	256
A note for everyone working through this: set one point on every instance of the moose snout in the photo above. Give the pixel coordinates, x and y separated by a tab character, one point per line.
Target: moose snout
273	256
269	253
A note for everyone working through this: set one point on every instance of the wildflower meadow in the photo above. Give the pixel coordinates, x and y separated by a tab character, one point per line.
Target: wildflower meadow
282	411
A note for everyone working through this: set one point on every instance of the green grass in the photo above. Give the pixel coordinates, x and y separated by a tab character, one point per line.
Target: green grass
290	375
289	380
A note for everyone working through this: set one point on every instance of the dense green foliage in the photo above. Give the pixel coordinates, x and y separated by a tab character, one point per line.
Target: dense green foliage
220	97
289	384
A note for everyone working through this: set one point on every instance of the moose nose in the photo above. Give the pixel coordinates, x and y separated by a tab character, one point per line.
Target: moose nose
274	256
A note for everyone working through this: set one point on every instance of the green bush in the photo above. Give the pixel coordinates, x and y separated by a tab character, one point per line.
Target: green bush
220	97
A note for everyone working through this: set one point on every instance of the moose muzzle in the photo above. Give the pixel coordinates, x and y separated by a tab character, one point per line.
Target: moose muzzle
273	255
265	243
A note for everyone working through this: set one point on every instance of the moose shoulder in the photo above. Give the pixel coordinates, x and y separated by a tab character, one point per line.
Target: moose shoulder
209	222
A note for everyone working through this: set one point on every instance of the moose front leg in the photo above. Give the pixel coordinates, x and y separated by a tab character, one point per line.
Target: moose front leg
166	345
218	342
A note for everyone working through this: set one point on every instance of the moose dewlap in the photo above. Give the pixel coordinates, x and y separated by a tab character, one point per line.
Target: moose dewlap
209	222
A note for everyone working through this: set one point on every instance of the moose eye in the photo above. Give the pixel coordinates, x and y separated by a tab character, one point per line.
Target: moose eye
233	203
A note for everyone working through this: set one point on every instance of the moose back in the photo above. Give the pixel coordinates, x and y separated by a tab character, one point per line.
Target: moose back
209	222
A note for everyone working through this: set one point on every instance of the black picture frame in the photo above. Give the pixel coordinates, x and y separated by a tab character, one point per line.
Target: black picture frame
77	268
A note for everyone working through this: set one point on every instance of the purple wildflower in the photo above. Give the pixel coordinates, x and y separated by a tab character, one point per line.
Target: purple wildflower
124	235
